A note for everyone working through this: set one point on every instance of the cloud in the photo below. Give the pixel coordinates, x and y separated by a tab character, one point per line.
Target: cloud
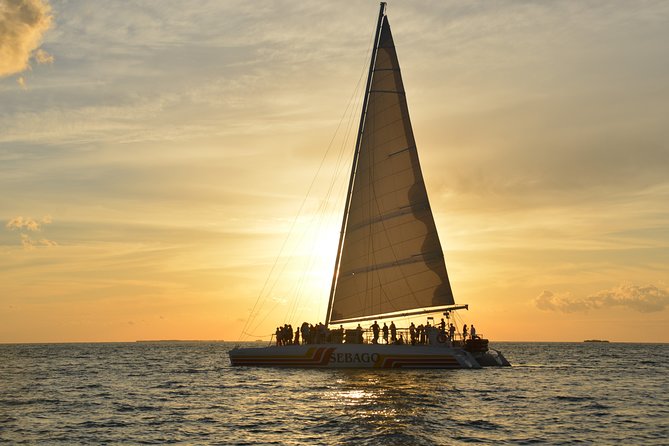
645	299
29	224
27	242
42	57
22	25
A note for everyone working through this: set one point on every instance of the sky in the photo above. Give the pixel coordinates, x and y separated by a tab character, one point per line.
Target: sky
169	169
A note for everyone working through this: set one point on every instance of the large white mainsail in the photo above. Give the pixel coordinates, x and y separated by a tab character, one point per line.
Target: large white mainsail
390	261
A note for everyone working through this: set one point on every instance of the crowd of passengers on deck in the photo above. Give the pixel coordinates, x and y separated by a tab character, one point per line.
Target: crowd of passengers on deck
414	335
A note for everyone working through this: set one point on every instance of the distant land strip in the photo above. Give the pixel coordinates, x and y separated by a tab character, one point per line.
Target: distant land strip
178	340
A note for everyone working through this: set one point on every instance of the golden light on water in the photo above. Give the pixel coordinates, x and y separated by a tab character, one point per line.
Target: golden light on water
349	397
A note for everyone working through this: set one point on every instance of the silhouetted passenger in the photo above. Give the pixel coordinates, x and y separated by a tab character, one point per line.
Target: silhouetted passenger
464	332
473	331
393	332
412	333
375	332
312	334
385	333
305	332
322	333
451	332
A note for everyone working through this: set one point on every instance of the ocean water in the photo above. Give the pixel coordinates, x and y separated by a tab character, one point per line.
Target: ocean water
187	393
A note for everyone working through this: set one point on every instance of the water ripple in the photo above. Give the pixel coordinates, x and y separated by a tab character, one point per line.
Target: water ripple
178	393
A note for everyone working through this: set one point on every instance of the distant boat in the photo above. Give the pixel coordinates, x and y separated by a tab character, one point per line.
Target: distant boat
390	263
595	340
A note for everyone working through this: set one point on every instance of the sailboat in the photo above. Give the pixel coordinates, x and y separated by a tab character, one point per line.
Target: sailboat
389	262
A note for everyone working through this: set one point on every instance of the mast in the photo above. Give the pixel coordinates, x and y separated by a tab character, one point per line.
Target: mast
382	14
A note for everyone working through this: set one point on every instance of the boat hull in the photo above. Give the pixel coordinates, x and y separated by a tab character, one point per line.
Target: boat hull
355	356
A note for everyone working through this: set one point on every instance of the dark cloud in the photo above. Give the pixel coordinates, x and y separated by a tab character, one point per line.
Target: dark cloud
645	299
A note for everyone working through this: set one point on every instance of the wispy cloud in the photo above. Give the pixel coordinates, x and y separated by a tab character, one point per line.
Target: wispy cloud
47	242
43	57
27	242
645	299
180	141
28	224
22	26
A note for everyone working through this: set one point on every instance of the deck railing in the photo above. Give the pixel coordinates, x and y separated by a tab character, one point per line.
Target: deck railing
366	336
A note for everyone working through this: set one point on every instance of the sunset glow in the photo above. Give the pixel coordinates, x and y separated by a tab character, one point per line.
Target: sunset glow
170	172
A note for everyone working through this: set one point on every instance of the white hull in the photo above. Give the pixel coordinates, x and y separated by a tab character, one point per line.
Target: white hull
355	356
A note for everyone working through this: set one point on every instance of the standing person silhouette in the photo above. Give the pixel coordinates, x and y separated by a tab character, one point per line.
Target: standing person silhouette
375	332
412	333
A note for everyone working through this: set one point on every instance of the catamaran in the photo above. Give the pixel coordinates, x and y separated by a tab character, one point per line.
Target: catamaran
389	262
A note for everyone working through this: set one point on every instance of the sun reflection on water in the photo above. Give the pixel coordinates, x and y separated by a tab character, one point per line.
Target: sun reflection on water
388	402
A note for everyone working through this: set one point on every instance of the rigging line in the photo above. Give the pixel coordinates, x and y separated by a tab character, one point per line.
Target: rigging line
352	103
457	321
348	133
276	304
328	203
257	335
311	259
354	166
253	315
322	211
252	318
275	307
309	265
285	264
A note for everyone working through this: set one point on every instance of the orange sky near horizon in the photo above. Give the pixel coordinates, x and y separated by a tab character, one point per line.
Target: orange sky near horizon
157	159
